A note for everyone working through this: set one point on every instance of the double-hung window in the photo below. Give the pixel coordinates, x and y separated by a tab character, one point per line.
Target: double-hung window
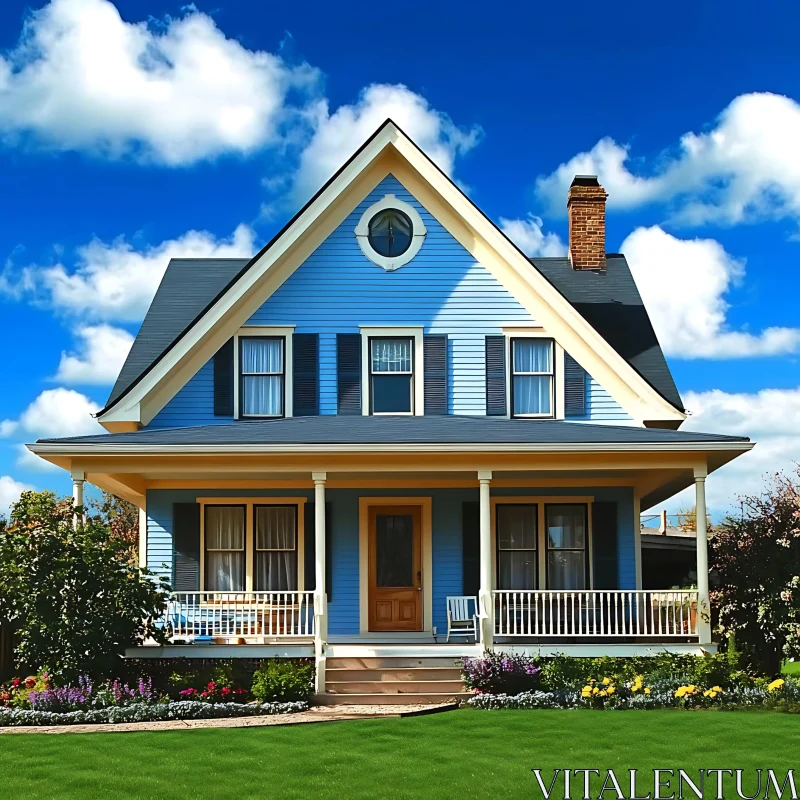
567	546
225	534
517	535
532	377
263	375
276	548
392	375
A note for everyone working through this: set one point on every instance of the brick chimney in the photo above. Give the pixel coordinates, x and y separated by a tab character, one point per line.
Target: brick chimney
586	208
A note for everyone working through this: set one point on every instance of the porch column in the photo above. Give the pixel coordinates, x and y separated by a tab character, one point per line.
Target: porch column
78	479
320	592
486	601
703	602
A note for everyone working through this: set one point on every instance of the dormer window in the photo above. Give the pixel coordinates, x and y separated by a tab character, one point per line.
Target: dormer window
532	377
262	369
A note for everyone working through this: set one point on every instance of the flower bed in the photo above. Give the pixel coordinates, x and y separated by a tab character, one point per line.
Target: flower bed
664	682
146	712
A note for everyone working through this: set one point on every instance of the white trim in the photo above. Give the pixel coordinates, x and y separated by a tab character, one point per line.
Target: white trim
486	243
286	332
466	447
249	529
418	231
418	378
426	523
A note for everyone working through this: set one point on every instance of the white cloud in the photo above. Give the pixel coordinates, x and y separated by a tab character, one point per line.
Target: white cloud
102	352
683	283
114	280
30	461
528	235
770	417
339	134
10	490
54	413
746	167
173	91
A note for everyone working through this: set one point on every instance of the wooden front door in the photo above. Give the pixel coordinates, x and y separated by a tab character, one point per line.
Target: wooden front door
395	568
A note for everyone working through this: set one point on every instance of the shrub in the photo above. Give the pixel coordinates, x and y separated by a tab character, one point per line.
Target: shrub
756	560
497	673
282	679
72	594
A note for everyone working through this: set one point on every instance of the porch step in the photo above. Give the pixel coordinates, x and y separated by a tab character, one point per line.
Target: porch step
400	679
330	699
391	674
394	687
393	662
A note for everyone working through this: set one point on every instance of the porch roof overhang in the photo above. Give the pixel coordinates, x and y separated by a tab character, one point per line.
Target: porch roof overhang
658	462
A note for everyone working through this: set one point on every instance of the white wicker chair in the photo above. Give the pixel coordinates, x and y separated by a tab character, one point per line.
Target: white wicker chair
462	616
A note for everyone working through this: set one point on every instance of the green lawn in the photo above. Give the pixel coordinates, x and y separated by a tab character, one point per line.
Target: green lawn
791	668
461	754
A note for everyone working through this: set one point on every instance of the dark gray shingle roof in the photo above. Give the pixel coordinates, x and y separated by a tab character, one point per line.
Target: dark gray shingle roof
400	430
188	287
610	302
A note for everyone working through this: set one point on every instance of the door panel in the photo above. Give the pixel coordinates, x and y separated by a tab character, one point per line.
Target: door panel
395	568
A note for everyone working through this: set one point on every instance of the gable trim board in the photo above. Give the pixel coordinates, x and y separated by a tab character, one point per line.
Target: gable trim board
389	150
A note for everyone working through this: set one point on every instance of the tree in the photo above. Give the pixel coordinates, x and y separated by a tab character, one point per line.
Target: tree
756	557
122	519
72	593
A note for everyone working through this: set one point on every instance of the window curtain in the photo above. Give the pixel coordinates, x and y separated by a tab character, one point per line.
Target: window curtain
276	549
533	355
391	355
533	394
262	395
516	544
224	535
566	541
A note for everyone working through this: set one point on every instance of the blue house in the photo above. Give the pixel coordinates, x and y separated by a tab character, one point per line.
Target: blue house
391	439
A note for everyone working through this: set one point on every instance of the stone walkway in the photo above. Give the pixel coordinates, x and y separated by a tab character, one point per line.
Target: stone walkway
313	715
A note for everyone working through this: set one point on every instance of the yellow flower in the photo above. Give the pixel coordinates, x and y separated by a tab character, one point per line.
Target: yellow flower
681	692
595	690
586	689
716	689
606	681
708	693
611	690
691	688
603	693
647	690
776	685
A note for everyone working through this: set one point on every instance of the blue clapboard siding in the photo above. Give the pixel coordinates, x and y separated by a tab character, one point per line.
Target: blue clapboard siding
446	545
600	405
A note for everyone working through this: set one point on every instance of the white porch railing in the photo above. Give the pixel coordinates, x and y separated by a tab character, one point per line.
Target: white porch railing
230	615
596	613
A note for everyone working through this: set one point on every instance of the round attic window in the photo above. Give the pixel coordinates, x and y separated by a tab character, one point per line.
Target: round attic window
390	232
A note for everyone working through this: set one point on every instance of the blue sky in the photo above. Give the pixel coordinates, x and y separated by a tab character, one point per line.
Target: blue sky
136	131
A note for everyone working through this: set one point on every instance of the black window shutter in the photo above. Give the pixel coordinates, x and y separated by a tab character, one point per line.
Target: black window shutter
348	373
305	374
496	376
435	373
186	547
223	380
574	388
310	549
471	547
604	545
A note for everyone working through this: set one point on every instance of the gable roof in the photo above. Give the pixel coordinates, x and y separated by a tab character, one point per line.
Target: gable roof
610	302
264	273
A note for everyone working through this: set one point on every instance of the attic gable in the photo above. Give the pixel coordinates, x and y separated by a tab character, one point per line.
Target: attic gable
388	151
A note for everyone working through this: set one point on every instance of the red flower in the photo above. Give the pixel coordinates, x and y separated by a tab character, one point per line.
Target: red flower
225	691
30	682
212	685
16	682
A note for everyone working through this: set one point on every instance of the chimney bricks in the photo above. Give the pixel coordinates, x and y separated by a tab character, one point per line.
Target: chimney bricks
586	208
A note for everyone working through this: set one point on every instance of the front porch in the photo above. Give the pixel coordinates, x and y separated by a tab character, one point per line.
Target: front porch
353	549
